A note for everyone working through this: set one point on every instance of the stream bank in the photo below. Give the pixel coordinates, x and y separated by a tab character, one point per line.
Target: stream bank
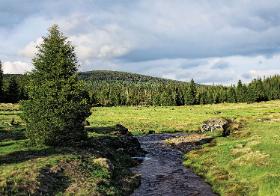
162	171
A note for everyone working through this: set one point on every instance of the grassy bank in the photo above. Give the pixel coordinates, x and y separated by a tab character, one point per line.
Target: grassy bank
99	166
246	163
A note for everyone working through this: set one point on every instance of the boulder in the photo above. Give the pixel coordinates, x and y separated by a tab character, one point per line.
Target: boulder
218	125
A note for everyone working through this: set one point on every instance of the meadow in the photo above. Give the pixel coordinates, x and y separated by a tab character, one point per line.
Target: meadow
245	163
93	167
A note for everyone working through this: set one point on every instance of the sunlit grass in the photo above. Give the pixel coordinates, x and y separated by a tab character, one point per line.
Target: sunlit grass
246	163
182	118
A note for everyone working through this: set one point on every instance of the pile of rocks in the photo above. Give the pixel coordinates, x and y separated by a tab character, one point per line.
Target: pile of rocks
217	124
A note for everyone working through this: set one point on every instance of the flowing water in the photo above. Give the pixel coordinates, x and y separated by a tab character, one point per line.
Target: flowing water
162	171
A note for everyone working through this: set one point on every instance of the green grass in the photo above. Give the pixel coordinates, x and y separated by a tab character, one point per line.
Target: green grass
180	118
246	163
82	170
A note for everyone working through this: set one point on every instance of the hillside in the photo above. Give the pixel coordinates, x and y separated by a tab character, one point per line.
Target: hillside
114	88
107	75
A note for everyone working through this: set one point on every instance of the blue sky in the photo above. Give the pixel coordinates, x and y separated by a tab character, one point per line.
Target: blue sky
215	41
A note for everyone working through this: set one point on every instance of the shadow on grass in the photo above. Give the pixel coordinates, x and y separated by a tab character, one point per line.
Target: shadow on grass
91	144
21	156
52	181
11	133
6	144
101	130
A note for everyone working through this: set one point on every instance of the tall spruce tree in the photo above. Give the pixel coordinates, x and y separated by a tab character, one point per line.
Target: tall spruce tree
58	103
1	83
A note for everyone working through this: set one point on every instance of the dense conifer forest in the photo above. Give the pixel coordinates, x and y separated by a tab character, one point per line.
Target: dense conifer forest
114	88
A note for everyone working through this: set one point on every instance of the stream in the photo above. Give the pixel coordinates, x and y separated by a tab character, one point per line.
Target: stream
162	171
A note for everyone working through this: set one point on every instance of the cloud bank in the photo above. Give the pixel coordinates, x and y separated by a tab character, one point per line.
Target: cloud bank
210	41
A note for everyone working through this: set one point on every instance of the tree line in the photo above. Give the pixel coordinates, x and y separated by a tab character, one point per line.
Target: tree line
109	88
12	87
172	93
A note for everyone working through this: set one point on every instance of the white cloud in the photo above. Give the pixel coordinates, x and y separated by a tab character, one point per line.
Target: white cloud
30	49
205	70
176	39
16	67
262	73
106	42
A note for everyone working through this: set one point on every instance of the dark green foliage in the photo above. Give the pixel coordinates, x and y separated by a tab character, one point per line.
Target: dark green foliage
21	81
256	91
202	97
106	75
190	97
110	92
113	88
241	92
179	97
1	83
272	87
231	95
13	92
58	103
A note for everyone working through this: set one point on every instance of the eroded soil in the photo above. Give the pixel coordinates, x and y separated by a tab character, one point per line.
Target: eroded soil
162	171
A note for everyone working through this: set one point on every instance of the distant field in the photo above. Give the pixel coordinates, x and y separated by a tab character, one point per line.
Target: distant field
178	118
247	163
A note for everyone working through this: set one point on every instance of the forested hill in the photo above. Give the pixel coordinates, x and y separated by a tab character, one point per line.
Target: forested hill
114	88
107	75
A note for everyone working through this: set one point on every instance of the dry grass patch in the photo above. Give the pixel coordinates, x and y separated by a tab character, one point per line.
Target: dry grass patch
252	157
246	155
192	138
188	142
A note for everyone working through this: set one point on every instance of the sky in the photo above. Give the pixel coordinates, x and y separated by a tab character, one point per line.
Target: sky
213	42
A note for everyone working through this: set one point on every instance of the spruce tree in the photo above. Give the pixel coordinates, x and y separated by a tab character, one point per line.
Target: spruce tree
190	98
256	91
202	97
231	95
241	92
57	102
13	91
1	84
179	98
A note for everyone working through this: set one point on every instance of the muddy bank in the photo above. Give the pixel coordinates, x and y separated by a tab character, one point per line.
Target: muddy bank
162	171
